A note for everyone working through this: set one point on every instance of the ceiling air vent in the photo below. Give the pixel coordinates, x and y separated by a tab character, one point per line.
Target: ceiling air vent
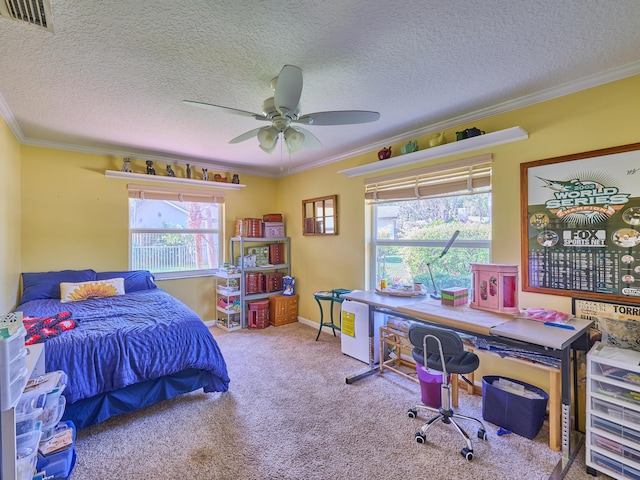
35	12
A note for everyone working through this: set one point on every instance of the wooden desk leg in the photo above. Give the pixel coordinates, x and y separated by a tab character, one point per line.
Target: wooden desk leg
554	410
454	390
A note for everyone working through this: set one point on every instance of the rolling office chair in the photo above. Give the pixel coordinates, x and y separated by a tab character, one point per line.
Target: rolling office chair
442	350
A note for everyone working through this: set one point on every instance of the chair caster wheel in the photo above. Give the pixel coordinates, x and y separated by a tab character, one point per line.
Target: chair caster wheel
412	413
466	453
482	435
420	438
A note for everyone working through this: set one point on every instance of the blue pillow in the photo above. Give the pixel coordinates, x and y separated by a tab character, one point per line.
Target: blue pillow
43	285
134	280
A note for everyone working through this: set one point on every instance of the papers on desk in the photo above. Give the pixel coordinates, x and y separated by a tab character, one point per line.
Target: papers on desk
549	317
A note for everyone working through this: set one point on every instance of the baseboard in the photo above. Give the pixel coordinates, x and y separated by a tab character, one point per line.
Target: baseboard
311	323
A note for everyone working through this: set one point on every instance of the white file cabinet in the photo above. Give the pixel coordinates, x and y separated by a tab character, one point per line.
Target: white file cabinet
613	412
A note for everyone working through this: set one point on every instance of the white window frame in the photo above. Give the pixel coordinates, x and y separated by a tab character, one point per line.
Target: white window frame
149	192
434	181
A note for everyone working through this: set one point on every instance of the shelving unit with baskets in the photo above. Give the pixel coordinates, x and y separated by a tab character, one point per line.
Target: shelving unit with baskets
613	412
228	307
262	281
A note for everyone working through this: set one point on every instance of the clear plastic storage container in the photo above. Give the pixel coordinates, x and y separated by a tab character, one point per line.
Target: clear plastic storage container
13	370
27	454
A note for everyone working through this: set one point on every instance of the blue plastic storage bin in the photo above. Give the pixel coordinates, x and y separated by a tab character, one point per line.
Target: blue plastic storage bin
60	465
511	411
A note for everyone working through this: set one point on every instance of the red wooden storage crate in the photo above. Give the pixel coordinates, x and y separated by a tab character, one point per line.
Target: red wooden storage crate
253	282
276	253
273	282
253	227
272	217
258	314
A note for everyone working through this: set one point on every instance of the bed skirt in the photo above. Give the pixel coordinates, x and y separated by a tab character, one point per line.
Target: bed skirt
98	408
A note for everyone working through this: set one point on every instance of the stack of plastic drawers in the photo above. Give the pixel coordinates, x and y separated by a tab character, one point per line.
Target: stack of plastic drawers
13	369
13	377
40	409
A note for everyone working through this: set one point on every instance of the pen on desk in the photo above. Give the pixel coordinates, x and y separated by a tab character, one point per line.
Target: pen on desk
560	325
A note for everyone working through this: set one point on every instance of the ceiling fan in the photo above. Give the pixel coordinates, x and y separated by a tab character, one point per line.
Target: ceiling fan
283	110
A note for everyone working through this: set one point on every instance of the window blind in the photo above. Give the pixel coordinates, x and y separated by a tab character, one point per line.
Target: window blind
150	192
467	175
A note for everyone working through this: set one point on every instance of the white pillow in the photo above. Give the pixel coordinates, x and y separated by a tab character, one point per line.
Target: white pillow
73	292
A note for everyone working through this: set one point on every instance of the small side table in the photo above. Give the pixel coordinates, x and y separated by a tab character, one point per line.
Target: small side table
333	296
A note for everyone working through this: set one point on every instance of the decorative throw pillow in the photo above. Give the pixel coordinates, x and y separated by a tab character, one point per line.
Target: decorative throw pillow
73	292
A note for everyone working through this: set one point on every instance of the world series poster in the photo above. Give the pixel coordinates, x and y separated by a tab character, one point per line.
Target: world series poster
582	231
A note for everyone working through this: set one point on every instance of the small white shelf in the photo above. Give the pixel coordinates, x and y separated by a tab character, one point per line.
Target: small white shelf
173	180
513	134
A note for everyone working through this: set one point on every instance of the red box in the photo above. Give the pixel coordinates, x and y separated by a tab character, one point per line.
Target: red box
273	282
253	282
276	253
252	227
258	314
272	217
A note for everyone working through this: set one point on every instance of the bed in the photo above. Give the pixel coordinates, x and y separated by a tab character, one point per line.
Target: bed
121	351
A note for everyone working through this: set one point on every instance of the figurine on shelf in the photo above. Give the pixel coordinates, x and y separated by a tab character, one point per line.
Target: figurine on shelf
384	153
188	171
410	147
126	165
438	139
150	169
235	179
170	172
205	174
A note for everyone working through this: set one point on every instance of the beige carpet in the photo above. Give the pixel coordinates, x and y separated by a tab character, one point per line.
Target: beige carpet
290	415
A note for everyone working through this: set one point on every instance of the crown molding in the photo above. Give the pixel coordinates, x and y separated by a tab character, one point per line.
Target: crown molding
568	88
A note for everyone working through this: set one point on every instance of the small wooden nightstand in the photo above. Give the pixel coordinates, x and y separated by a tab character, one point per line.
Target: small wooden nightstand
283	309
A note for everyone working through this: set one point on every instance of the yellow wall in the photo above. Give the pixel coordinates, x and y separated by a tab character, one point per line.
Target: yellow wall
74	217
9	218
600	117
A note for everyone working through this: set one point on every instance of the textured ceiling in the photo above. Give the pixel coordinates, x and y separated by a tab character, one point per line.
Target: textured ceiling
112	76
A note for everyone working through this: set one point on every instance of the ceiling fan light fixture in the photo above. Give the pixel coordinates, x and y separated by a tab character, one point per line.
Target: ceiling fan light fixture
294	139
268	136
269	107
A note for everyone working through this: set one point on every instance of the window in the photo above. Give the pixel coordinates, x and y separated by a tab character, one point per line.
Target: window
174	233
415	215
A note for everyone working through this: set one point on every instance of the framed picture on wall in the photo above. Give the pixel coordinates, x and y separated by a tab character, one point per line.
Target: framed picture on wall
581	224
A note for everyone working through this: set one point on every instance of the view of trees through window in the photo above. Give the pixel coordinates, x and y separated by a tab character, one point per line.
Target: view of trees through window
169	236
410	235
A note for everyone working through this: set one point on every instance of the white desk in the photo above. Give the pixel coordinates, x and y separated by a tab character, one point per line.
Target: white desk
526	334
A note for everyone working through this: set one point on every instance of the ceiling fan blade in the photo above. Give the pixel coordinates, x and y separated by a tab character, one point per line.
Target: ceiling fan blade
339	117
310	140
246	135
288	89
220	108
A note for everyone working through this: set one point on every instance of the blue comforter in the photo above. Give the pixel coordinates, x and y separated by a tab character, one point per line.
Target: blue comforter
126	339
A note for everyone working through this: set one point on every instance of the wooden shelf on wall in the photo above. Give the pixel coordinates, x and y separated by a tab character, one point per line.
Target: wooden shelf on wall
173	180
513	134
